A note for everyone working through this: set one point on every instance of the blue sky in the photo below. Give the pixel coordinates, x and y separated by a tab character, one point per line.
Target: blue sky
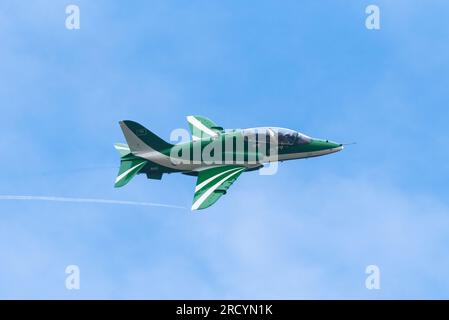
307	232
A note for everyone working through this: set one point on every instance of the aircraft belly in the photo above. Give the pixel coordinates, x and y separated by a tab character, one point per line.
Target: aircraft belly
310	154
165	161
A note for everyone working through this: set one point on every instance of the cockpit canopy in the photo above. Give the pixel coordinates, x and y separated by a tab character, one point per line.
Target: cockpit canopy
284	136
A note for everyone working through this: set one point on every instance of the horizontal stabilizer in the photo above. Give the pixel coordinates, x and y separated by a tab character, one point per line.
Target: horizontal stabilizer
129	167
122	148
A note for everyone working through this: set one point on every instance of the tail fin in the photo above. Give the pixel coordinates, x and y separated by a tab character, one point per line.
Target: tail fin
140	139
130	165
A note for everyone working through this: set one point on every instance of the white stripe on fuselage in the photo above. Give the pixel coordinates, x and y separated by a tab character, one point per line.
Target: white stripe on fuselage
164	160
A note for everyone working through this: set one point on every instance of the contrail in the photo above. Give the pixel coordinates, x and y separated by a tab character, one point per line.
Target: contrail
88	200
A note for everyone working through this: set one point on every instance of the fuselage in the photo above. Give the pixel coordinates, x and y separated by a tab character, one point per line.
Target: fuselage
250	148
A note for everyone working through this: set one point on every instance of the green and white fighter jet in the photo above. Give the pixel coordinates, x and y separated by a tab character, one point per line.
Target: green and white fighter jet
215	156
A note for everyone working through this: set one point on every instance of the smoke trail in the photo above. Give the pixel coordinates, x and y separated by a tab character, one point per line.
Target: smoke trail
87	200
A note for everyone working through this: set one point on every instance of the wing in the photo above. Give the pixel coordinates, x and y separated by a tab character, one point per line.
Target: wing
201	127
212	184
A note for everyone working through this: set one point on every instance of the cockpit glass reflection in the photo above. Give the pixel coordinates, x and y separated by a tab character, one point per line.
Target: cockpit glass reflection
284	136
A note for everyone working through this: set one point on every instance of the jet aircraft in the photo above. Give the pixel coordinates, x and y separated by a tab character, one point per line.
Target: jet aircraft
217	157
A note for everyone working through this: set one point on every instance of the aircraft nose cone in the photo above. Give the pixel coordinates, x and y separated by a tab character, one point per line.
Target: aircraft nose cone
333	145
327	145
